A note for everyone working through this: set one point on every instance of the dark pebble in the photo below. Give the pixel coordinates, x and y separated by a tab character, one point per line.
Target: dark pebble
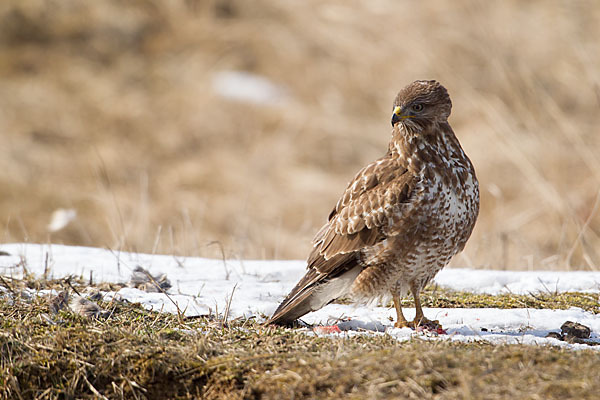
575	330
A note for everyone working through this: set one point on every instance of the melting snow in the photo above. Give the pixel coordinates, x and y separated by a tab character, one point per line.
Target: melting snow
204	286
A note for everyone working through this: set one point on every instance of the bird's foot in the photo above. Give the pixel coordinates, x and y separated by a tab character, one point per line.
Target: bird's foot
422	324
426	323
403	324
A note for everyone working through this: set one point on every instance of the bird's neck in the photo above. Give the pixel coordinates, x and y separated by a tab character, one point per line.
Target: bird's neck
427	148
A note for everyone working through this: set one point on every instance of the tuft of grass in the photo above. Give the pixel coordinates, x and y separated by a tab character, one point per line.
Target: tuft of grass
140	354
445	298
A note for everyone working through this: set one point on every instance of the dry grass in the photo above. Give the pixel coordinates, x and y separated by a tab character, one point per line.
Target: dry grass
144	355
108	108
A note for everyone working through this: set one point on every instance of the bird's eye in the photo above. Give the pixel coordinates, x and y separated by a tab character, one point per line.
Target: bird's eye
417	107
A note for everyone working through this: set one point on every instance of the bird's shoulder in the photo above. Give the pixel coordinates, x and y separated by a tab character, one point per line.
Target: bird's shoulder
374	191
379	193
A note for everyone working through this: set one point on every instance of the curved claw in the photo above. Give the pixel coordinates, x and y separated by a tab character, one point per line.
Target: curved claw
422	323
403	324
427	323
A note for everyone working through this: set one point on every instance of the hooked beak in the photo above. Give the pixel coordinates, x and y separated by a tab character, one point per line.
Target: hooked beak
397	116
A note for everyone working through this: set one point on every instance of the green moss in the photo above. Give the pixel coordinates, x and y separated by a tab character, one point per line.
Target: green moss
444	298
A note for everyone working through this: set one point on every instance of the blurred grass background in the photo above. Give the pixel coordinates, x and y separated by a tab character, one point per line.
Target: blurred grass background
124	112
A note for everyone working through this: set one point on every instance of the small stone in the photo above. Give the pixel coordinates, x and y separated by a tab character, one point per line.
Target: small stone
575	330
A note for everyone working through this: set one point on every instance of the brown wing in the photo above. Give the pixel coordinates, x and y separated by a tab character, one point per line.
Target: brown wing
380	193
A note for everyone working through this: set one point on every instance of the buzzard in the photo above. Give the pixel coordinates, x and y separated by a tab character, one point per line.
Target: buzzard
400	220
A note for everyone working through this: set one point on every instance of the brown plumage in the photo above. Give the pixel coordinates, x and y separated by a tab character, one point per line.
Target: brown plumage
400	220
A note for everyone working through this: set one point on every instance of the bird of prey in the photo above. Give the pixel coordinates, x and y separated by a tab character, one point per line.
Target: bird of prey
400	220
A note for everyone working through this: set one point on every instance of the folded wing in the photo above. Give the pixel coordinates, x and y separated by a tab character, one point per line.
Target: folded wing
379	197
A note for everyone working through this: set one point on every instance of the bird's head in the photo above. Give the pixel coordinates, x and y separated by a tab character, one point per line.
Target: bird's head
421	105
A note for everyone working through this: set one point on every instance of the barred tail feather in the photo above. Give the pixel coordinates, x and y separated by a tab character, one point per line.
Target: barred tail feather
312	293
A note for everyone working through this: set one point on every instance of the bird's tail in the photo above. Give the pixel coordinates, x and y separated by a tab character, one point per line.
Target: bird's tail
298	302
314	291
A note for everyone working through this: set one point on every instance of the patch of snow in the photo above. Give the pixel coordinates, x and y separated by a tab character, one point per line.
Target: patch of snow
247	87
60	218
204	286
518	282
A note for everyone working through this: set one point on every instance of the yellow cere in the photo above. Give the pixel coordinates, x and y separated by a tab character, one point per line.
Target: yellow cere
397	110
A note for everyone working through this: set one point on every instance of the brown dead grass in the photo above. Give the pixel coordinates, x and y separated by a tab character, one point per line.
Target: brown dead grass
139	354
107	107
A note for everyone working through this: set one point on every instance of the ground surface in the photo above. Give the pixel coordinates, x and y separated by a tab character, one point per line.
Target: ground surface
255	288
212	345
151	355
